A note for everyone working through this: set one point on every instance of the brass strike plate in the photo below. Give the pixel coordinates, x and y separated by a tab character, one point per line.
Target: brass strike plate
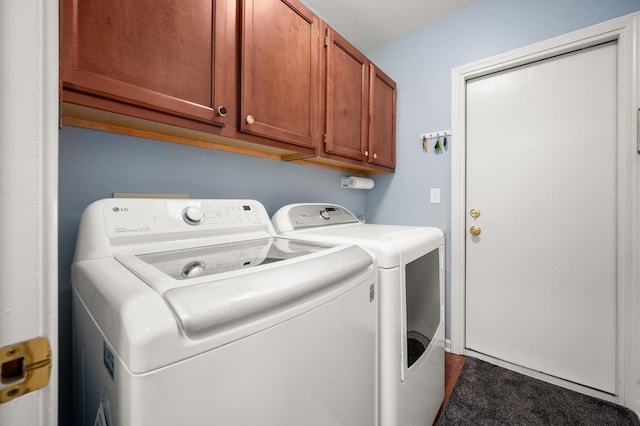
24	367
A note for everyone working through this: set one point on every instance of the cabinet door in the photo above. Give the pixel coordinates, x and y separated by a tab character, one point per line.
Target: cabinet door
382	123
279	71
154	54
347	98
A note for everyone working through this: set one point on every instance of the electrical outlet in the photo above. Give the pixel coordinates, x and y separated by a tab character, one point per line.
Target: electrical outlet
435	196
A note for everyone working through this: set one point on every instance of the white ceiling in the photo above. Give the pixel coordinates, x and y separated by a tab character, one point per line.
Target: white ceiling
367	23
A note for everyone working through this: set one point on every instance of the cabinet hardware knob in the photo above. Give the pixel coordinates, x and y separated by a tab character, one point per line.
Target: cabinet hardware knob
250	119
366	153
474	213
475	230
222	111
375	155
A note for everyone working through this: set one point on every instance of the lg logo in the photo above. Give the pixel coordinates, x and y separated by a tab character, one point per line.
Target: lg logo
120	209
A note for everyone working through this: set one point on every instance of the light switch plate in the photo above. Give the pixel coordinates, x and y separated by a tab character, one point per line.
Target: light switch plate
435	196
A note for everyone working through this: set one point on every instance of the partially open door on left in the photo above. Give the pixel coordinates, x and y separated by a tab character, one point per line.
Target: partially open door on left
28	213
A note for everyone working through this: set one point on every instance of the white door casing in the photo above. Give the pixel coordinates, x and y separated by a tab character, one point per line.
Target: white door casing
28	193
625	32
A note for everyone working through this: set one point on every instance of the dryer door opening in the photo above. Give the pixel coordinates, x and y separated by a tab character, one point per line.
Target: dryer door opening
422	296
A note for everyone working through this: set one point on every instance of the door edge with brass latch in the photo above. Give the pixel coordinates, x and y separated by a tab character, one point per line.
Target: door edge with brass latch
24	367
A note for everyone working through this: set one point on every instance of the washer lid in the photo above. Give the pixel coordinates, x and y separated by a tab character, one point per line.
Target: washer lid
212	286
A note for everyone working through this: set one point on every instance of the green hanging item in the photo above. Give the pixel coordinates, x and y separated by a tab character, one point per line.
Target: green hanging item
438	146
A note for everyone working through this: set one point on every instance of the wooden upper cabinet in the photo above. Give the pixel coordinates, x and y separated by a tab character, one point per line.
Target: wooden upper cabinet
250	76
279	88
346	98
151	54
360	106
382	118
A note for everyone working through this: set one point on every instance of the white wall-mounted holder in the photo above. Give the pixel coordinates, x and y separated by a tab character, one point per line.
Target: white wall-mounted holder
439	139
354	182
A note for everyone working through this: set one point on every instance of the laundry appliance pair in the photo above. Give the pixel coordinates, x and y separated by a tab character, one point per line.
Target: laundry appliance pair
198	312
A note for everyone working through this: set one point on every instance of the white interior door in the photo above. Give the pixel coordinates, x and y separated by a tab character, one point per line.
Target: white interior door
541	170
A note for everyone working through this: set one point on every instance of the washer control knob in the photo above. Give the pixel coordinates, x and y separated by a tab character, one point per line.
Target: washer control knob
324	214
193	215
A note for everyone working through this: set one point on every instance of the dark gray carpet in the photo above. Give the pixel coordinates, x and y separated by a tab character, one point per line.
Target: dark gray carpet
489	395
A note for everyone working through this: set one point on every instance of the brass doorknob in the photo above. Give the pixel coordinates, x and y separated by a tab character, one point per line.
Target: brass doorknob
475	230
474	213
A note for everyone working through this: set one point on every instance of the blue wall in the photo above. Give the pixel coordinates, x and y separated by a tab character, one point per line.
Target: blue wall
93	164
421	62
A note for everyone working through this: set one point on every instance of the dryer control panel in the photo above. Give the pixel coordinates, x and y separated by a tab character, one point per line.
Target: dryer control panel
300	216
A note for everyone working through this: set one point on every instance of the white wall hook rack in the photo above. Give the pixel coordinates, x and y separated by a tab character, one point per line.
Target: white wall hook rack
433	135
439	139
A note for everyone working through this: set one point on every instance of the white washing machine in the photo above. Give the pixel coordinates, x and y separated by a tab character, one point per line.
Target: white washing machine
194	312
411	279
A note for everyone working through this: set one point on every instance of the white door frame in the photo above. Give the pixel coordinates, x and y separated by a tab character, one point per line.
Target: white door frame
29	193
625	31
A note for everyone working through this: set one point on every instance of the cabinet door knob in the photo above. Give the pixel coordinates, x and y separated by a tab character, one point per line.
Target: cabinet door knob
366	153
375	155
250	119
222	111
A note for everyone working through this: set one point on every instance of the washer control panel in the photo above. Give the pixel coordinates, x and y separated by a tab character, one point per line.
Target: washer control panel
129	217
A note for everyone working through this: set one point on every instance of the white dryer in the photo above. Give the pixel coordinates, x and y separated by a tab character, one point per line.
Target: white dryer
194	312
411	278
